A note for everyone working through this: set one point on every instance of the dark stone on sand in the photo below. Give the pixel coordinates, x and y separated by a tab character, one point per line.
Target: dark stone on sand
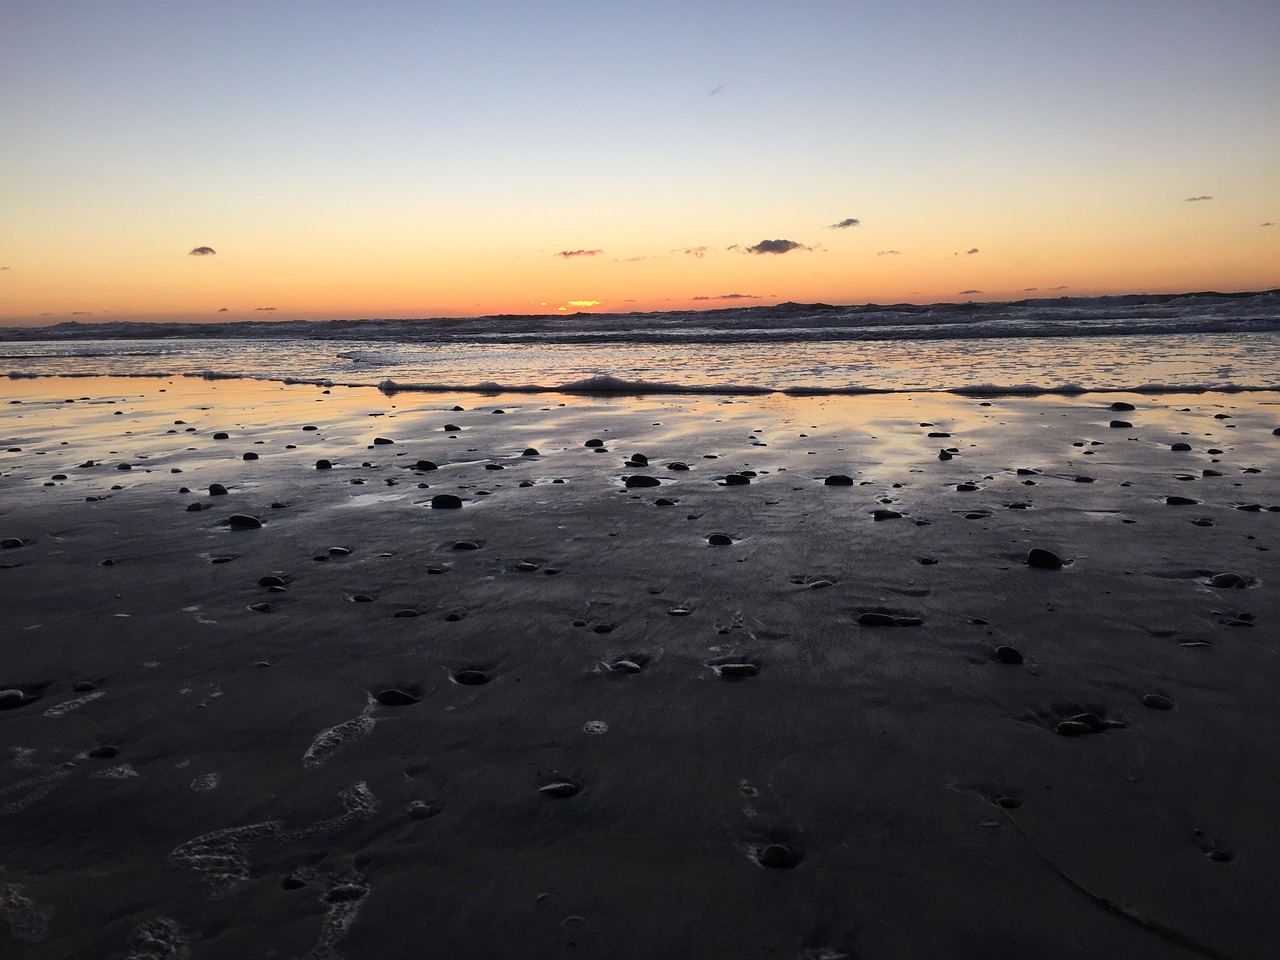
471	678
453	618
1180	447
1250	507
967	487
260	607
124	466
382	441
292	881
84	686
1008	803
423	810
12	543
1073	728
405	613
9	699
250	456
638	460
939	435
736	480
424	465
1084	479
494	466
926	561
885	515
777	856
339	552
1120	424
907	621
524	566
446	501
361	598
452	428
323	465
1043	559
104	752
677	465
243	521
664	502
217	490
720	540
1157	701
1010	655
838	480
561	789
1090	720
1180	501
222	436
641	480
944	455
602	628
310	426
877	620
466	545
270	580
594	442
530	452
195	507
1122	405
1227	581
526	483
737	670
393	697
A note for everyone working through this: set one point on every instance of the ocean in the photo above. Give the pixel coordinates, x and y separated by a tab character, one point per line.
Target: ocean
1194	342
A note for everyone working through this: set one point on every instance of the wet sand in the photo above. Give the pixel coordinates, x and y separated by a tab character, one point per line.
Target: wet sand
826	709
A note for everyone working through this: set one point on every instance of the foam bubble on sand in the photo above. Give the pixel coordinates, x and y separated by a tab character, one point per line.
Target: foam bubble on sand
26	919
205	782
121	771
343	900
58	709
331	740
223	855
157	939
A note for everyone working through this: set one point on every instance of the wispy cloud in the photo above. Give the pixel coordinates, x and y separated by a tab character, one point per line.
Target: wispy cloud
776	246
1194	199
1061	286
263	309
846	223
1030	289
888	253
971	251
585	303
222	309
730	296
1267	224
698	252
579	253
714	90
964	293
202	252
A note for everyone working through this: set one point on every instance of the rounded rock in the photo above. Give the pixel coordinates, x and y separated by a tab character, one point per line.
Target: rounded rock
1043	559
1007	654
446	501
1157	701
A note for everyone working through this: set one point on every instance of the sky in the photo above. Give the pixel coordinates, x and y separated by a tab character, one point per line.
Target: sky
417	159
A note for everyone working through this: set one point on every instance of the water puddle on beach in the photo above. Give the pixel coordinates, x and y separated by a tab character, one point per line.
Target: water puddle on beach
373	499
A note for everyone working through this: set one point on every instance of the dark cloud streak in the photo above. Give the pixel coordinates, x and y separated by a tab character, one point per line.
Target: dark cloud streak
202	252
776	246
846	223
567	254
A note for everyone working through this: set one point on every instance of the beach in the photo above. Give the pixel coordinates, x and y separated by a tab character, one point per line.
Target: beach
294	670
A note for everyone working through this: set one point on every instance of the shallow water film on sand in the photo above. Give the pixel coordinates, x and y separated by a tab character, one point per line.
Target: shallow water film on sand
324	671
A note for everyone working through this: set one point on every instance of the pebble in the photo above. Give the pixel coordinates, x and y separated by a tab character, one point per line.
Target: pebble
217	490
382	441
720	540
324	465
250	456
1229	580
529	452
393	697
1180	501
640	480
1073	728
944	455
524	566
12	543
104	752
422	810
677	465
466	545
1157	702
1043	559
777	856
243	521
1122	405
736	480
638	460
885	515
1180	447
425	465
446	501
838	480
877	620
471	677
1007	654
405	613
452	428
222	436
560	788
263	606
271	580
1120	424
594	442
11	698
737	671
967	487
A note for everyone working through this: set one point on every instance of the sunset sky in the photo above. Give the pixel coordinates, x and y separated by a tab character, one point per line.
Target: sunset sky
412	159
